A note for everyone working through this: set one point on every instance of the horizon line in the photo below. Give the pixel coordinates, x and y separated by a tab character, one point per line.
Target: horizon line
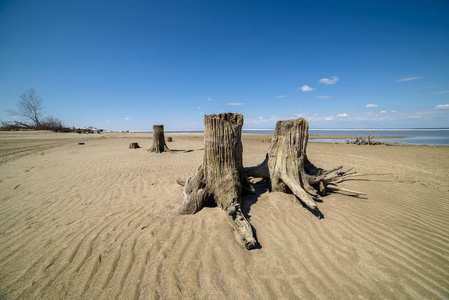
270	129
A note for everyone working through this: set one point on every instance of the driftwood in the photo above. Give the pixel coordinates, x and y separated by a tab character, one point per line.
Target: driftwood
289	170
369	140
134	146
159	145
221	176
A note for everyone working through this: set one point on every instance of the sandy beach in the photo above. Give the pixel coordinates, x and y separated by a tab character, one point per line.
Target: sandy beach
100	221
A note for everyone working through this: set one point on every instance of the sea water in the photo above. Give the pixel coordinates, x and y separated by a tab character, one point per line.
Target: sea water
414	136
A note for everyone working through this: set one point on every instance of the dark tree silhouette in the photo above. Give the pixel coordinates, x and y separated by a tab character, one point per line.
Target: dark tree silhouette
29	107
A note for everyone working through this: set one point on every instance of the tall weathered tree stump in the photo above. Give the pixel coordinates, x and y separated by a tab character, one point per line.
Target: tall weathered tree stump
289	170
159	145
221	176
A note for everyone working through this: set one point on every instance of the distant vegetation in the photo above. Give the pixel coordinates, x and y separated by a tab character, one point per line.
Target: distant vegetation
365	140
30	113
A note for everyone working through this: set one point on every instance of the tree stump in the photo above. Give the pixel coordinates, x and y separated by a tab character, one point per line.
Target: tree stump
289	170
134	146
159	145
221	176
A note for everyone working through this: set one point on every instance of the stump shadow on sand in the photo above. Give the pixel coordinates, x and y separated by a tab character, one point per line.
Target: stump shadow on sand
185	151
262	187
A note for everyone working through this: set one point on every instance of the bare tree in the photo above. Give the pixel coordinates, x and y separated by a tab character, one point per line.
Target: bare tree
30	108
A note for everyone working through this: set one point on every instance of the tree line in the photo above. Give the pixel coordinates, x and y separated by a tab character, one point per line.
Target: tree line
30	112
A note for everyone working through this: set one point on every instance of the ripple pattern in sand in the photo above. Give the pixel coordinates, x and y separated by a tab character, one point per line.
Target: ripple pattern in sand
114	233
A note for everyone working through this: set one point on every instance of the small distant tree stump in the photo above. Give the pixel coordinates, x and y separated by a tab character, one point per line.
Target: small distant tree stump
289	169
169	139
134	146
221	176
159	145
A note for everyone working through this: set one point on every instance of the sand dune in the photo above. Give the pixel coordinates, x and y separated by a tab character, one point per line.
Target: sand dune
100	221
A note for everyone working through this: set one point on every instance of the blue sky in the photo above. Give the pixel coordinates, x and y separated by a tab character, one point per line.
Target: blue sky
127	65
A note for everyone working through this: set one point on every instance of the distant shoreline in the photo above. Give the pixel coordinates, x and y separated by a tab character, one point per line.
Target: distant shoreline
348	137
310	129
311	137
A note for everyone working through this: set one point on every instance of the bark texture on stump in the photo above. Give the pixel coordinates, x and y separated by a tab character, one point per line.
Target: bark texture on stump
221	176
159	145
134	146
289	170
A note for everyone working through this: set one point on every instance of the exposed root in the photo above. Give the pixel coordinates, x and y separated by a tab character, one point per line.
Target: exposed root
241	226
299	192
195	193
333	187
260	170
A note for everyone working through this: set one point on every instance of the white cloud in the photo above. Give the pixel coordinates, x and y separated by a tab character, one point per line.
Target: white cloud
328	118
108	121
301	115
442	106
343	115
322	97
281	96
306	88
443	92
409	78
127	118
266	120
210	99
394	111
383	111
328	81
372	105
234	103
414	117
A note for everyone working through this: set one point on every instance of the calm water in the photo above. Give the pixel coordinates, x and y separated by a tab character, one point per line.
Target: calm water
412	136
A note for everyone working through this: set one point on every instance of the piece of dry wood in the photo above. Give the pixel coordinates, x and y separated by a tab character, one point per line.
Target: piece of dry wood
289	169
134	146
159	145
221	176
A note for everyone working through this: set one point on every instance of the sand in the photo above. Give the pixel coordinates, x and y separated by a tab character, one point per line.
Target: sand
100	221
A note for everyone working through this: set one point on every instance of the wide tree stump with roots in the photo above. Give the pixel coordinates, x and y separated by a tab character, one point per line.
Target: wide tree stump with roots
289	170
221	176
159	145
